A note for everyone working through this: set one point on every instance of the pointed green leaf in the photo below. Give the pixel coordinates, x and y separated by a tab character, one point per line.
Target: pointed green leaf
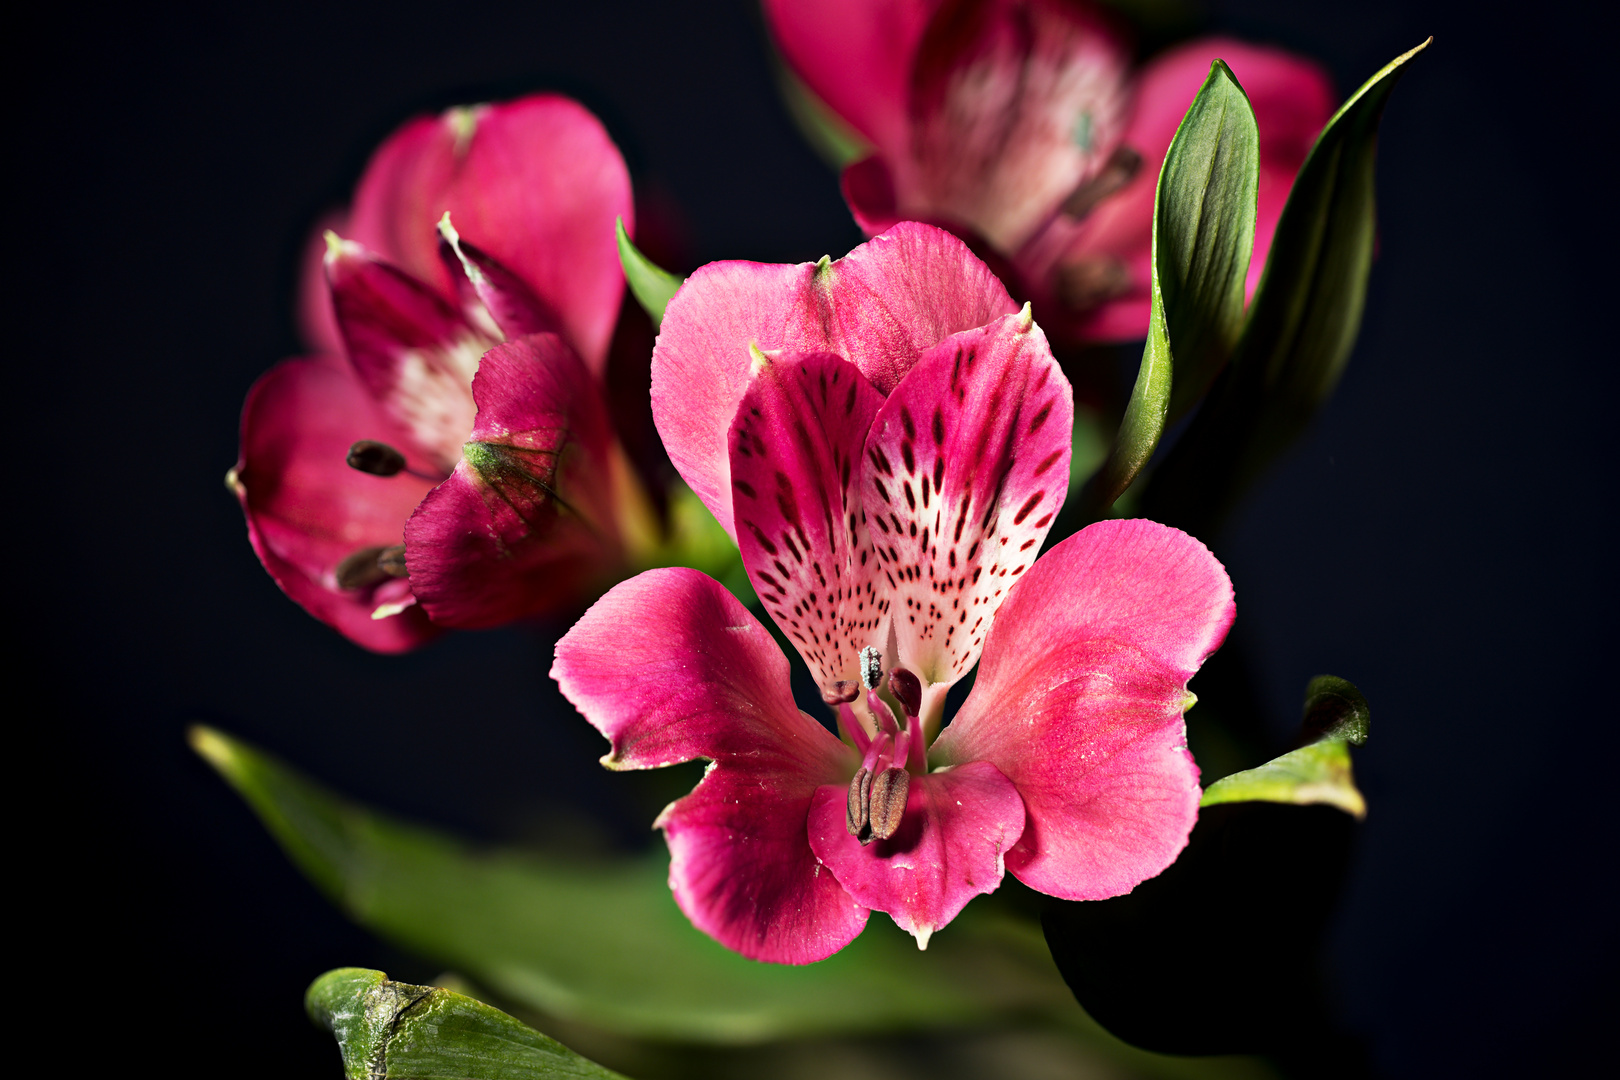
651	284
1203	232
387	1030
1336	715
1301	326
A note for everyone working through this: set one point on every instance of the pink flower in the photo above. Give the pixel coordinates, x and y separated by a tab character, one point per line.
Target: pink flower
1021	122
887	437
447	461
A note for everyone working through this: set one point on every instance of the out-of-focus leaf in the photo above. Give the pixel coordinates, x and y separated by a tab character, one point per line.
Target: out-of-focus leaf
388	1030
696	539
604	942
1249	898
1301	326
1336	716
1203	232
601	945
838	144
651	284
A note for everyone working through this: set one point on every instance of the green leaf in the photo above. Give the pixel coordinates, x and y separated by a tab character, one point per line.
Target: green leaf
388	1030
1203	232
603	943
696	539
838	144
651	284
1336	716
1301	326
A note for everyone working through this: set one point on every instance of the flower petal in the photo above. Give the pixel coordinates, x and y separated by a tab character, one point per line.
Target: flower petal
488	288
525	523
537	183
1079	702
868	189
965	468
670	667
795	450
856	55
307	511
1292	98
880	307
958	825
1014	104
411	349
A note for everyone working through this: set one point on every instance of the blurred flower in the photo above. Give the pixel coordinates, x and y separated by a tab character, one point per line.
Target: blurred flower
397	483
887	437
1019	124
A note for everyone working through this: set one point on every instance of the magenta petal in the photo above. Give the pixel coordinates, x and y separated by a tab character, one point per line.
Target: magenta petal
1079	701
856	55
958	825
537	183
964	470
487	287
1014	104
307	510
411	349
880	307
670	667
868	188
525	523
796	445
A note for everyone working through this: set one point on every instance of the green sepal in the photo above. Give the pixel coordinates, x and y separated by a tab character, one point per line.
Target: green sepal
833	140
651	284
1301	326
1203	233
1336	717
387	1030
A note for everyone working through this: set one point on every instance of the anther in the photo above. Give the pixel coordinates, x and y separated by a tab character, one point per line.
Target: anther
841	692
876	804
376	458
391	561
887	804
907	690
362	569
871	667
1120	169
860	797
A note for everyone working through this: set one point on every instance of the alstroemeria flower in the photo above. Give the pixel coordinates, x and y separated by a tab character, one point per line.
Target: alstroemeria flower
1021	122
449	462
888	439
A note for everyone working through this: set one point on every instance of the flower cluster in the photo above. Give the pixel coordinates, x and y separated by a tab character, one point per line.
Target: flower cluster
1022	123
446	459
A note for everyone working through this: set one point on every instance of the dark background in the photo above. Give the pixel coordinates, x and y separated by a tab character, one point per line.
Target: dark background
1438	537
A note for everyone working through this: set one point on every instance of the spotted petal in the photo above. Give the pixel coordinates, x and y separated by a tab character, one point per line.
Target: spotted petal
880	307
965	468
525	521
958	825
795	446
410	347
1079	703
670	667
